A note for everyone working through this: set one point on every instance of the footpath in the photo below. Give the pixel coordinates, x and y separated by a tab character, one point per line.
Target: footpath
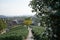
30	36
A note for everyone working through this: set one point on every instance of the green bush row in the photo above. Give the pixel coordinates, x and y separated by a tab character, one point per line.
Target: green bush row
38	33
18	33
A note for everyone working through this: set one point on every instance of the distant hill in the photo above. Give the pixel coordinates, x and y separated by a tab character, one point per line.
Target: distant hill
14	17
2	16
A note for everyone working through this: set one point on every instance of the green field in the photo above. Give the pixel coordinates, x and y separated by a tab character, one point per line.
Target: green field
38	33
17	33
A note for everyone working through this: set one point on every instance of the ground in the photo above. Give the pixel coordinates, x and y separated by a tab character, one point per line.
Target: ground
30	36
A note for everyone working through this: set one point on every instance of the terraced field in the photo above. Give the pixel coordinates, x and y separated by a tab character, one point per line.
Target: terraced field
17	33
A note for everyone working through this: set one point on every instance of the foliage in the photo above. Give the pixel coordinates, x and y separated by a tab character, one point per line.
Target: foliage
38	33
18	33
51	11
27	21
2	24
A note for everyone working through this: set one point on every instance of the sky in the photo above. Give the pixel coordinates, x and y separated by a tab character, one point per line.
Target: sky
15	8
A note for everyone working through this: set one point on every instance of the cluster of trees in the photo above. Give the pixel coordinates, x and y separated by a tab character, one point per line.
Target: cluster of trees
3	25
28	21
48	12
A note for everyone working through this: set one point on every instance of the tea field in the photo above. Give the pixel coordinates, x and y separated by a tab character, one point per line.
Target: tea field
17	33
38	33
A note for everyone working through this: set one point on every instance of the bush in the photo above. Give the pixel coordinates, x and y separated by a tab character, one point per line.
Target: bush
11	37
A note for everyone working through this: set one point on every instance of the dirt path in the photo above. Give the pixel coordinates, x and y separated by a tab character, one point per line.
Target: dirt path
30	36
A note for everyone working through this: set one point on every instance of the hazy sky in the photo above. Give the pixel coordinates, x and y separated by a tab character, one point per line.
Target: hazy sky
15	7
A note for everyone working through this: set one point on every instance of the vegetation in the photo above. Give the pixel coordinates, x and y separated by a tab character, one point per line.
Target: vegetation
3	24
48	12
38	33
28	21
18	33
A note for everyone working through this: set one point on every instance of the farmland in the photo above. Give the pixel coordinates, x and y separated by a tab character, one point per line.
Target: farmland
38	33
18	33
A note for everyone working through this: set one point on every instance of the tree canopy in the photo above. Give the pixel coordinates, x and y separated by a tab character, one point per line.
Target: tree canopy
28	21
2	24
48	11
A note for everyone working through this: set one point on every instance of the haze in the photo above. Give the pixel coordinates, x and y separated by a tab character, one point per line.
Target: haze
15	8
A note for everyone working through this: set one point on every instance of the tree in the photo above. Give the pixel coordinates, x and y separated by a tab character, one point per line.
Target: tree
50	9
2	24
28	21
